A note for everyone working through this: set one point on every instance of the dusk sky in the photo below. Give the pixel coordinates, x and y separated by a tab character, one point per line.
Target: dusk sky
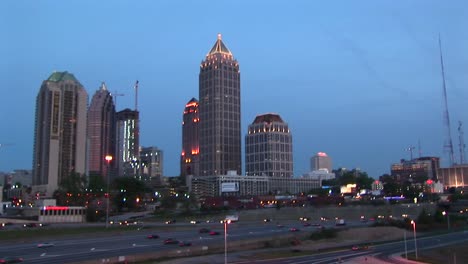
359	80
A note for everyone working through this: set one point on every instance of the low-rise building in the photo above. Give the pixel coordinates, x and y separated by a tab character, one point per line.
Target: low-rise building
239	185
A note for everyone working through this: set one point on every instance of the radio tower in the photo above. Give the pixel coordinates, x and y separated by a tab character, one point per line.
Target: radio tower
448	146
462	143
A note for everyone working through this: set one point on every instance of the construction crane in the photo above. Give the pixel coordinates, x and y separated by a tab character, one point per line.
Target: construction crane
115	95
136	96
448	146
5	145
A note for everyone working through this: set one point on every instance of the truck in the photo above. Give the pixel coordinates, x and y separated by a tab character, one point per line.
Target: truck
232	218
340	222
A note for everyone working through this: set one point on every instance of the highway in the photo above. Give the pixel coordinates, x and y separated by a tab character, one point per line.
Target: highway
135	242
127	243
385	252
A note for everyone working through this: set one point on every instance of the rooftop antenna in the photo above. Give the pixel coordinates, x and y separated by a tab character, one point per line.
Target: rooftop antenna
410	149
136	96
448	146
462	143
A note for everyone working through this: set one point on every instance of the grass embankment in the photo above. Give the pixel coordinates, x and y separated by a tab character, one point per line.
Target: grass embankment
449	254
79	231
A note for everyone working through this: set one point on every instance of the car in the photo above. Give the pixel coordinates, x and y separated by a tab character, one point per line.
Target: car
266	220
170	241
11	260
128	223
356	247
214	233
293	229
304	218
194	222
152	236
45	245
32	225
185	244
170	221
203	230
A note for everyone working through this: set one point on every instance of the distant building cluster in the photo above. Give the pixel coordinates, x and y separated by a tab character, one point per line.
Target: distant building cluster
71	137
99	140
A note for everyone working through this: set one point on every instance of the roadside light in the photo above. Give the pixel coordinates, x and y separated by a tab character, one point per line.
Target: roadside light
137	200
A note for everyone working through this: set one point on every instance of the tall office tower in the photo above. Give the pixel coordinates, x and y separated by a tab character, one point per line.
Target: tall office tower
60	132
268	147
128	140
189	162
101	132
220	112
321	161
151	161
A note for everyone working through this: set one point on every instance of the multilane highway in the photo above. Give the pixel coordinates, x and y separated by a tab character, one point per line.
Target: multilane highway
128	243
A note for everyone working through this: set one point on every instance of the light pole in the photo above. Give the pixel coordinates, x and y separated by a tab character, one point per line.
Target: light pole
226	222
415	242
108	159
406	246
448	219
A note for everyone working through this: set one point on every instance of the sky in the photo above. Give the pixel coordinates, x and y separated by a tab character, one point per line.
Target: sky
359	80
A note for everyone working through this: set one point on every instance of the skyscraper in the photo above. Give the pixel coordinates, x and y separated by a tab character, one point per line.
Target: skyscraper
220	112
321	161
60	132
128	140
268	147
151	159
189	161
101	131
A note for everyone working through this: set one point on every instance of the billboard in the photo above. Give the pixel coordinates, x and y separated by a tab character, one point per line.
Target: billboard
229	187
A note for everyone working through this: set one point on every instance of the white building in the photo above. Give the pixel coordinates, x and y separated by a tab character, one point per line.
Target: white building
320	161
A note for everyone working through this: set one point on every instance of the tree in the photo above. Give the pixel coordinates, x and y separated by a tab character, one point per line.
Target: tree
96	184
128	192
71	190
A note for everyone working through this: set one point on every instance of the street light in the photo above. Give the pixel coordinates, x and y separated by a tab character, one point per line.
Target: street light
108	159
415	243
226	222
448	219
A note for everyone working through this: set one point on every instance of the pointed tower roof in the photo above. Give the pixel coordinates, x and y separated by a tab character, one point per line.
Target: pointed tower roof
219	47
103	86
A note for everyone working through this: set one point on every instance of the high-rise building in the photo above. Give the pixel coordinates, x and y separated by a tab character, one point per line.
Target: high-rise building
101	132
151	164
268	147
220	112
321	161
60	132
189	161
416	170
128	138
